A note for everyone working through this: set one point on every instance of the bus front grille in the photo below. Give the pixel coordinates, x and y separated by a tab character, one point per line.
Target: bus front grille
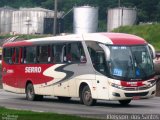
136	94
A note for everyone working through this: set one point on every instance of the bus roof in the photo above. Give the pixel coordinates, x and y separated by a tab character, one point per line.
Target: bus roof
106	38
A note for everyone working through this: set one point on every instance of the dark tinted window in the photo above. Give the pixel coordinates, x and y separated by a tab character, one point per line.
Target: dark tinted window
7	55
29	54
75	52
12	55
57	53
68	52
43	54
97	56
17	50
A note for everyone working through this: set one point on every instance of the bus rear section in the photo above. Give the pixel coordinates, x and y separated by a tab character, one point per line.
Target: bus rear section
105	66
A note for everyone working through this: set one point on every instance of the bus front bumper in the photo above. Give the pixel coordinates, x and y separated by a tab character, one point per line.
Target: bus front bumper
131	93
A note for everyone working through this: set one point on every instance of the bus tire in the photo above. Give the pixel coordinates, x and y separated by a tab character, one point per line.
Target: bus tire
65	99
86	96
30	93
124	102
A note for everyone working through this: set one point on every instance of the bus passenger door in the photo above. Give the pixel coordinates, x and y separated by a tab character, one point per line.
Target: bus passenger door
102	87
101	72
99	64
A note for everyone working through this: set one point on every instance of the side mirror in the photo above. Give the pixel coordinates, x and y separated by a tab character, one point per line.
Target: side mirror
152	51
106	50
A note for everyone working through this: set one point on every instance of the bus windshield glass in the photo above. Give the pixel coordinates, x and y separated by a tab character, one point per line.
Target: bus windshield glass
130	62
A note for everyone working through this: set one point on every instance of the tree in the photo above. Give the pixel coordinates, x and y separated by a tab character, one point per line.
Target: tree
49	4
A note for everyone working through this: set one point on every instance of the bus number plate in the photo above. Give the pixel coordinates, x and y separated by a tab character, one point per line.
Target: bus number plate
136	97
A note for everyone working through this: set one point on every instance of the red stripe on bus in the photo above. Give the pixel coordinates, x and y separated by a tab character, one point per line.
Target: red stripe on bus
19	43
124	39
132	84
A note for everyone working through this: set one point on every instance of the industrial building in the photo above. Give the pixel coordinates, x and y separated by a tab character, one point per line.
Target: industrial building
27	20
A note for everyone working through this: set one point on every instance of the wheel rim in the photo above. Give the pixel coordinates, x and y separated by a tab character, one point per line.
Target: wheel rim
87	96
30	92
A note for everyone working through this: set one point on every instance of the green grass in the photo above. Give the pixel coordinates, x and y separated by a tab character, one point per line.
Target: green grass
150	32
29	115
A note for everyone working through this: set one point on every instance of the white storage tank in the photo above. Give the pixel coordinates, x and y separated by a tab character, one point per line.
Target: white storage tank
85	19
121	17
5	19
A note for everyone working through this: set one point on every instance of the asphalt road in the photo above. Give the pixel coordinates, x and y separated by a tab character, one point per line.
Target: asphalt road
73	107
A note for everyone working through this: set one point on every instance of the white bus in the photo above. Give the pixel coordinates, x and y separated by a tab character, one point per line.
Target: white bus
92	66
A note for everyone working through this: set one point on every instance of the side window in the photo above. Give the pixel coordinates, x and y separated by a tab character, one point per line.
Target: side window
29	54
17	55
7	55
68	52
58	53
43	54
97	56
12	55
75	52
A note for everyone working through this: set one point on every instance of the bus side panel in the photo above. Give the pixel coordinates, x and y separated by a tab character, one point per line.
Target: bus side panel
87	76
16	76
9	79
35	74
83	73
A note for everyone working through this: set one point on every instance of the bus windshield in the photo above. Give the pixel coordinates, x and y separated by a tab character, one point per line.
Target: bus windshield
130	62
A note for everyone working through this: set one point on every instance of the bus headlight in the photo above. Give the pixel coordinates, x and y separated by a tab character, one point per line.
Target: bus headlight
116	86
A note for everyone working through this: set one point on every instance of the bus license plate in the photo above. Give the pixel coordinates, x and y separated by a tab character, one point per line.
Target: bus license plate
136	97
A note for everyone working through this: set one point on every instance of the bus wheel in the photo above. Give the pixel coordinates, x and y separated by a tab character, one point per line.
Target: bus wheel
65	99
87	96
124	102
30	94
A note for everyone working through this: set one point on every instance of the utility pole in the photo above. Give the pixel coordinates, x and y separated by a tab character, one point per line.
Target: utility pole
55	17
119	3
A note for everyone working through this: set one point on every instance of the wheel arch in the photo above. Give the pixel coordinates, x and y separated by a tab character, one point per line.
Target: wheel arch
81	87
